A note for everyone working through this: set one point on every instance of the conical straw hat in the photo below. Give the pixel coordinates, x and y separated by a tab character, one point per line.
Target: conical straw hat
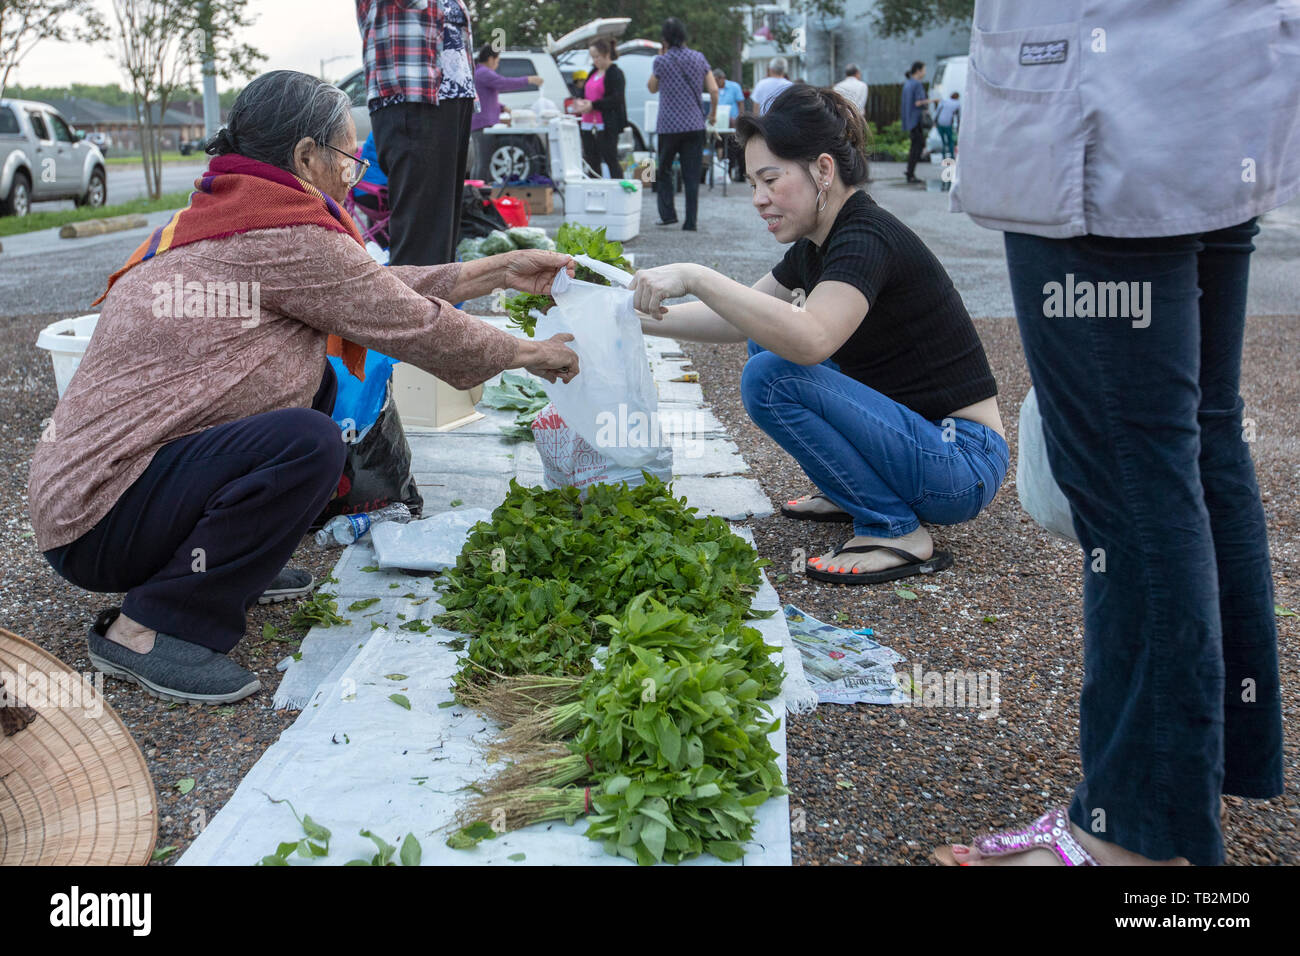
74	787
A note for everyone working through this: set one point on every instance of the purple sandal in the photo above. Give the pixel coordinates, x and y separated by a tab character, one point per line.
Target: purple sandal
1051	831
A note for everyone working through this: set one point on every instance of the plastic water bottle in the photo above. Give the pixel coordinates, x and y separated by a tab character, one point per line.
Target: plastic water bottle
342	530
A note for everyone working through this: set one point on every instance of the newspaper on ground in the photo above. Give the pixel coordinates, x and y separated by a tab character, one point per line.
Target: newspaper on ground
844	666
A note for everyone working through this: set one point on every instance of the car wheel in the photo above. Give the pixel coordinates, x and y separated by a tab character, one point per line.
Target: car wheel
513	159
19	200
96	191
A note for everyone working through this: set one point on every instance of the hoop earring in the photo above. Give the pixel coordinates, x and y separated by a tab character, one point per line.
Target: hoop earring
821	204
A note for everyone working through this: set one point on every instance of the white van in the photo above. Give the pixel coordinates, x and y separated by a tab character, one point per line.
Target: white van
949	78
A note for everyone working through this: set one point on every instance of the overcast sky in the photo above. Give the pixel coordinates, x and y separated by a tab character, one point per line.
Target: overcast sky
294	35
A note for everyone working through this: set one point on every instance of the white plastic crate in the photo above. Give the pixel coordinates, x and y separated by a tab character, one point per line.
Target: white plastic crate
66	341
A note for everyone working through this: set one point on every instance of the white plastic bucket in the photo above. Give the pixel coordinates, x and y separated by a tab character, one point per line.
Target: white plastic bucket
66	341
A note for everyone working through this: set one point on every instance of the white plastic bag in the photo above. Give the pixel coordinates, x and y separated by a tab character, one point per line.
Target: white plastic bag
612	402
1040	495
567	459
429	544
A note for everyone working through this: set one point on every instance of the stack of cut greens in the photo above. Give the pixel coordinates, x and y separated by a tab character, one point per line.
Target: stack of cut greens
571	239
663	745
516	393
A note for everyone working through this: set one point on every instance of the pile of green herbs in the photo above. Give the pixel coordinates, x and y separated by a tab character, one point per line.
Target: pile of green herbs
528	587
571	239
663	743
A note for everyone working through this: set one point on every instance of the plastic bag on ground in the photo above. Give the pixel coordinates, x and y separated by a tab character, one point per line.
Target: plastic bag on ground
430	544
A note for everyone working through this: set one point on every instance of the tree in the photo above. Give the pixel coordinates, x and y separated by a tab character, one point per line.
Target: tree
157	42
24	23
897	18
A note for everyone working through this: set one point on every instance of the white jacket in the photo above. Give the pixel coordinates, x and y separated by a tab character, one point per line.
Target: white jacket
1118	118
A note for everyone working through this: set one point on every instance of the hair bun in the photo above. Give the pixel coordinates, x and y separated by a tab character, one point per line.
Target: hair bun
220	144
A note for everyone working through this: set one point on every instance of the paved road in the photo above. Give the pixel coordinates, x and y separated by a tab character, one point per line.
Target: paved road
127	182
44	274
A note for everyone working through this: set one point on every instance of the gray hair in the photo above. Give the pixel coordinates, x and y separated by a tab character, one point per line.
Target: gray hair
852	70
720	73
278	109
778	66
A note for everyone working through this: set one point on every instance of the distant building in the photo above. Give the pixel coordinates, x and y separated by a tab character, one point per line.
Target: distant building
183	121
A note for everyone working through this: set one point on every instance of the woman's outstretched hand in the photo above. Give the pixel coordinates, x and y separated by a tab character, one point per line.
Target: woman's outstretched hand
549	358
651	286
531	270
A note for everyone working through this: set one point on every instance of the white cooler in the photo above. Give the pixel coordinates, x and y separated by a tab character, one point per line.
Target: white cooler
592	202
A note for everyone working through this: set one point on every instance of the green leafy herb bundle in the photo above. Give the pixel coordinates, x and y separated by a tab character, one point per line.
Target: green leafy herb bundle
529	586
571	239
663	745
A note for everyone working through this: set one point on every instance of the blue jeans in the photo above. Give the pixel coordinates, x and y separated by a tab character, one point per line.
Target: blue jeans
1143	429
880	461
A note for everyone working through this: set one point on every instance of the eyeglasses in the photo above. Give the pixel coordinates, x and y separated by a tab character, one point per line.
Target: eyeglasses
359	165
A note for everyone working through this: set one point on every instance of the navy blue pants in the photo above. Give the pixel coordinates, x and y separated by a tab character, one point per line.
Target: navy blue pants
201	533
1143	429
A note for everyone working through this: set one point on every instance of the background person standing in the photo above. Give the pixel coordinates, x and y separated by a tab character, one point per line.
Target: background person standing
729	93
913	109
1141	410
852	88
765	90
603	108
679	76
420	89
946	117
490	85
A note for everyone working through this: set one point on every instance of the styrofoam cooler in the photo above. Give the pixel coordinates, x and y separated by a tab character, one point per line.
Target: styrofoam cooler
66	341
604	202
592	202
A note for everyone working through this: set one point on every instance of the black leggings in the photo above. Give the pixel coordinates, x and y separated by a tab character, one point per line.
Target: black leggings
601	146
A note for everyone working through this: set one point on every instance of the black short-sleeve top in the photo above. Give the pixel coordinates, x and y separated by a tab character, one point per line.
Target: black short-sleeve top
917	343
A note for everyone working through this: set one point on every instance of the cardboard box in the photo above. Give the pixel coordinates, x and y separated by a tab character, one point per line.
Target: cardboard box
539	199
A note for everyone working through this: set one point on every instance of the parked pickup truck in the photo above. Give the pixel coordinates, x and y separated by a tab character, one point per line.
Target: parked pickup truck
41	158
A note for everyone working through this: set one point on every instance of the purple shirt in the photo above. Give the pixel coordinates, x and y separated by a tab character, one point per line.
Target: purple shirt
681	74
491	85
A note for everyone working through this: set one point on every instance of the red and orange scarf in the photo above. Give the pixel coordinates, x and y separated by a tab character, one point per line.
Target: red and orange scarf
238	194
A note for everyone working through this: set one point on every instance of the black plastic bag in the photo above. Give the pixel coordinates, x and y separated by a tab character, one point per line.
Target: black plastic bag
377	471
478	216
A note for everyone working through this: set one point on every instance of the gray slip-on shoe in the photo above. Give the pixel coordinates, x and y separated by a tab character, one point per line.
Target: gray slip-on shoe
289	583
174	670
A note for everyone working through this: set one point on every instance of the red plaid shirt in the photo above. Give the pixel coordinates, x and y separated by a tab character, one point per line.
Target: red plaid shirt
402	43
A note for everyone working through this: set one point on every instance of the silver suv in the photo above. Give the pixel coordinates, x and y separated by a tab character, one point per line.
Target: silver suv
41	158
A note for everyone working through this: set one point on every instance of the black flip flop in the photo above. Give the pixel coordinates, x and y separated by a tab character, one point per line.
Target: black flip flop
838	517
936	562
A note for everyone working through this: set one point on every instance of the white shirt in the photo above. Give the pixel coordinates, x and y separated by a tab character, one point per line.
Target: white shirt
766	89
853	90
1065	118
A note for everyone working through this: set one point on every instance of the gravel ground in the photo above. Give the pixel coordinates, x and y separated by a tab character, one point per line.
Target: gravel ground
869	784
884	785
